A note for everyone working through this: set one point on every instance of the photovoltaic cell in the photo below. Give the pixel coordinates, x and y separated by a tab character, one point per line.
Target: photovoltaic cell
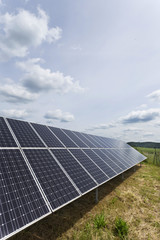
21	200
25	134
6	139
102	144
101	163
75	139
95	172
125	162
92	139
63	138
109	154
47	136
57	187
133	154
113	143
80	177
109	161
129	159
85	140
107	142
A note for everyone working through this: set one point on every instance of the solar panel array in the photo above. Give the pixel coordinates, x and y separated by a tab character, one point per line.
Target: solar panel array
44	168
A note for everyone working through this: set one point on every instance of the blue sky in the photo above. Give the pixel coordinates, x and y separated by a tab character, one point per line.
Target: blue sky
90	66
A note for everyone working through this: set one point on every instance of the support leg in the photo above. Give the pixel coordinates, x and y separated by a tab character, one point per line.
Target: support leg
96	195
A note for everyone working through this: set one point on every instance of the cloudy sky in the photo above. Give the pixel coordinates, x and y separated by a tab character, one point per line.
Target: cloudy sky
91	66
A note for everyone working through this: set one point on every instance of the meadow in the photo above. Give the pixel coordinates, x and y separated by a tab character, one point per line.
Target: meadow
128	208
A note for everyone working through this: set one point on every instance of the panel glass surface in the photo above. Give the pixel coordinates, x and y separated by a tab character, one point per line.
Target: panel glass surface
6	139
85	140
75	139
47	136
92	139
101	163
121	158
116	160
110	161
129	159
63	137
105	141
80	177
21	200
132	153
25	134
113	143
95	172
103	145
57	187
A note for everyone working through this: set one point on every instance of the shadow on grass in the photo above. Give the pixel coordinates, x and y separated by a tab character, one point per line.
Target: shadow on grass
54	225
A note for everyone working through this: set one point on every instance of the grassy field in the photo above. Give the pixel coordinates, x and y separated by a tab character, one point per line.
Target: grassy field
150	154
132	204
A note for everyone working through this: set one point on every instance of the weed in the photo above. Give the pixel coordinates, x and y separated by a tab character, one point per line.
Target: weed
156	224
114	200
99	221
86	233
121	228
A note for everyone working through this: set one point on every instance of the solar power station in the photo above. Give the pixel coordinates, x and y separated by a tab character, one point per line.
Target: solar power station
44	168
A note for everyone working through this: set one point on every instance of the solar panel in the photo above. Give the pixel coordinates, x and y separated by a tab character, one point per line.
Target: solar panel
93	169
113	143
84	139
21	201
101	163
6	139
92	139
129	158
57	187
102	144
116	160
110	161
63	137
50	167
25	134
75	139
47	136
134	154
80	177
105	141
121	158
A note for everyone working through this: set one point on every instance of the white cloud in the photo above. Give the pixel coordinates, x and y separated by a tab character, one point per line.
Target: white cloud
148	134
101	127
13	113
23	30
142	106
59	115
38	79
155	96
76	48
16	94
133	129
141	116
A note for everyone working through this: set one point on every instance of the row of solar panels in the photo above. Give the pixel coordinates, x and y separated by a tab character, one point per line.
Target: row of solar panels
38	181
61	175
36	135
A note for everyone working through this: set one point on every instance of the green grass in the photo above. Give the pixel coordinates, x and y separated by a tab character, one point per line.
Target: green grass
99	221
134	199
150	154
121	228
